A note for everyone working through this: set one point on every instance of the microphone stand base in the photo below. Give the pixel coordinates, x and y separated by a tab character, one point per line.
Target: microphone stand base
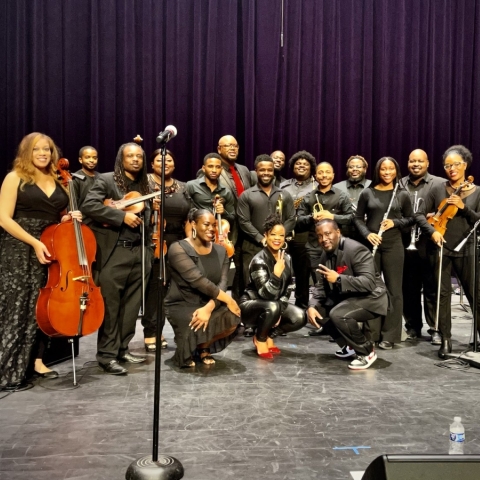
473	358
165	468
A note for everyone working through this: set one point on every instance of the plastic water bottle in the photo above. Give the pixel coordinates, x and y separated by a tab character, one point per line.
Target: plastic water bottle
457	437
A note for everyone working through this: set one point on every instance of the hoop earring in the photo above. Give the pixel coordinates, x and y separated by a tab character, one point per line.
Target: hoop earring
194	233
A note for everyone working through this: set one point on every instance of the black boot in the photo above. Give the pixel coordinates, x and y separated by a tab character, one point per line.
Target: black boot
445	348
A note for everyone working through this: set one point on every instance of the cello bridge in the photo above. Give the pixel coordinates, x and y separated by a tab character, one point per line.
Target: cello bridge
83	278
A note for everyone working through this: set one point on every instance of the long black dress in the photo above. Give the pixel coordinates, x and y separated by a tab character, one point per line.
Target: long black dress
177	206
21	276
195	280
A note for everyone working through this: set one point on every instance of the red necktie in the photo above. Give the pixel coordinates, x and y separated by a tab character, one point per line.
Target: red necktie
237	180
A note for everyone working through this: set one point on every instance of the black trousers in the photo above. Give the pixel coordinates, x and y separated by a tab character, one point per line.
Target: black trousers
264	314
389	261
418	274
341	323
149	319
121	283
301	269
463	268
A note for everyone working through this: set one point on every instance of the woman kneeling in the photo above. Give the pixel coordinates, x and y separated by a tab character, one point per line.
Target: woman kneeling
265	302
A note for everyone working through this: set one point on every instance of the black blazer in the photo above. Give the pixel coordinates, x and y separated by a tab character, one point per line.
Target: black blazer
107	236
359	280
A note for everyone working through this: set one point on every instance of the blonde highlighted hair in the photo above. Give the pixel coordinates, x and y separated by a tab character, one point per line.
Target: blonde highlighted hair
23	164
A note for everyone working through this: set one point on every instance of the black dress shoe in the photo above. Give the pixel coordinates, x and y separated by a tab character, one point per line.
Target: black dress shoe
113	368
445	348
50	375
248	332
412	334
131	358
17	387
436	338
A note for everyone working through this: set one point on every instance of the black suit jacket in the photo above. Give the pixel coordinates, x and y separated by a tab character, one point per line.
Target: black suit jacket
107	236
359	280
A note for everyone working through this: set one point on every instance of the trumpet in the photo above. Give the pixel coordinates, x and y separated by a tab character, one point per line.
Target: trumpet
380	232
415	231
279	205
317	207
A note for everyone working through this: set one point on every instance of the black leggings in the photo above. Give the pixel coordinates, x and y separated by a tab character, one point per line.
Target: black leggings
264	314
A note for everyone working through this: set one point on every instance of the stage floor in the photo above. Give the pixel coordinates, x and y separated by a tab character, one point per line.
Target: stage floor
297	417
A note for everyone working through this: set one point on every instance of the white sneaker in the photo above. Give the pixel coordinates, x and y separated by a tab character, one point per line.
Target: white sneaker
362	362
345	352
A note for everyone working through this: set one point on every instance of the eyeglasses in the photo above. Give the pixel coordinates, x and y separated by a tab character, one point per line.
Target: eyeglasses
449	166
228	147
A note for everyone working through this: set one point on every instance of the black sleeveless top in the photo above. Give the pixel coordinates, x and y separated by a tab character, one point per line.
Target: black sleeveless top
32	202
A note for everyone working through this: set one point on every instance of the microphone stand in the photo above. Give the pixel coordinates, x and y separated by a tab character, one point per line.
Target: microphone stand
473	357
157	467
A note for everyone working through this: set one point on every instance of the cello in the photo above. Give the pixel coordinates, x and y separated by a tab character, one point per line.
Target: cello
70	304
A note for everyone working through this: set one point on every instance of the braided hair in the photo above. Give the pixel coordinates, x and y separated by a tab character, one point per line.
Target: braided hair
119	175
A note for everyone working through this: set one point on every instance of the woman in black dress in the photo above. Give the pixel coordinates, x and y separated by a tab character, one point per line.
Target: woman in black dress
204	317
265	304
373	204
177	206
31	198
456	161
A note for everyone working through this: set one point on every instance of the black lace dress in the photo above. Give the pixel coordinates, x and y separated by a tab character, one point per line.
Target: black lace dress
21	276
195	280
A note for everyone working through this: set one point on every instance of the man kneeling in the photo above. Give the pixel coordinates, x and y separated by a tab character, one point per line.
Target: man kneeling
348	291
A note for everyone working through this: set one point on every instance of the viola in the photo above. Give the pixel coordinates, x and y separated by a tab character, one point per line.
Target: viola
447	211
222	231
70	304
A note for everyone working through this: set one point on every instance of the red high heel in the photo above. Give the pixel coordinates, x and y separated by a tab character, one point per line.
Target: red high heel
267	356
274	350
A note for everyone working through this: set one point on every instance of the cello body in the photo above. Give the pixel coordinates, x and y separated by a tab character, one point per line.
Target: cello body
59	306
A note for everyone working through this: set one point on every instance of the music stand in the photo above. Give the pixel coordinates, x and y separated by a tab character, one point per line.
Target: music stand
473	357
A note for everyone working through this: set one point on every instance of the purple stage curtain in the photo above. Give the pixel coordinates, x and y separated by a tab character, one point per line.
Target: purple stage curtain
353	77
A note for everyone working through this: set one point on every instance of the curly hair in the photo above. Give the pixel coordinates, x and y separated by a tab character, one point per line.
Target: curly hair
461	150
23	163
271	221
376	171
303	155
119	171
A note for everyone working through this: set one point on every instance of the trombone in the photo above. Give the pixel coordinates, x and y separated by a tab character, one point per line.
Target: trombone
415	230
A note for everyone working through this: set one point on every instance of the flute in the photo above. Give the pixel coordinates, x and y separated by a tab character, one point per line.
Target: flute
380	232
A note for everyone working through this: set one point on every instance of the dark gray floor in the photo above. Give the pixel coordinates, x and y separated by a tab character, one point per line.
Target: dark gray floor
244	418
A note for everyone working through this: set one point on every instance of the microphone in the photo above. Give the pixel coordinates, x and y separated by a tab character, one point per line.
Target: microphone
169	132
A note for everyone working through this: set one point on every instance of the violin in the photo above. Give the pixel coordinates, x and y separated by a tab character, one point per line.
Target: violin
447	211
133	202
156	220
222	231
70	304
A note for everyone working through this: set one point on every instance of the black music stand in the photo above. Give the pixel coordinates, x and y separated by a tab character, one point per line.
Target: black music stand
473	357
157	467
